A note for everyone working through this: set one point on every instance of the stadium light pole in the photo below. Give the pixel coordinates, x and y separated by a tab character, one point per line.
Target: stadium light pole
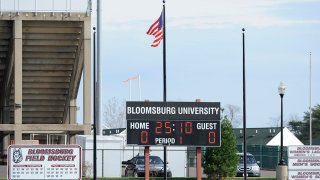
282	168
281	90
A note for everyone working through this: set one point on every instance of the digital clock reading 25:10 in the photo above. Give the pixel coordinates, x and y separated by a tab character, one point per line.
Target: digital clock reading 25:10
176	132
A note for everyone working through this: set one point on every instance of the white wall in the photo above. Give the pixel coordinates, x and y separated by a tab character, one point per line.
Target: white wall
115	151
108	159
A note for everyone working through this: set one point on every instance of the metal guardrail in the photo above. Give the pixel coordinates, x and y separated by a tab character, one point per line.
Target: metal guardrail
35	6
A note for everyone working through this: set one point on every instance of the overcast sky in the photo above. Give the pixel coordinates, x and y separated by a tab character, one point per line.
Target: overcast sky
204	52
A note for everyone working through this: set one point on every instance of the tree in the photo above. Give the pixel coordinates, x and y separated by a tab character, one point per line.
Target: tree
276	121
115	113
295	125
220	162
301	129
233	114
297	128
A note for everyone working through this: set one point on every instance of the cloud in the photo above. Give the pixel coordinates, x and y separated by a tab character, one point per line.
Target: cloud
127	14
202	14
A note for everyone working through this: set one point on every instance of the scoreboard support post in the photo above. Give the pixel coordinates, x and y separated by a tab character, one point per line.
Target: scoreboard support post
199	172
198	151
146	162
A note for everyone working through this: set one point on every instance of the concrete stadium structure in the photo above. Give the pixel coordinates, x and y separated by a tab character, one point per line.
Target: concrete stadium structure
42	58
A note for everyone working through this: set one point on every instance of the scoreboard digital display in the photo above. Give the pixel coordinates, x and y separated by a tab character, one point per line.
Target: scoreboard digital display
179	133
173	123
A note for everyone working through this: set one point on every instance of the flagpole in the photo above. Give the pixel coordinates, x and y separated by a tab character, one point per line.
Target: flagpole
164	54
310	109
139	87
244	105
164	82
98	93
129	89
94	108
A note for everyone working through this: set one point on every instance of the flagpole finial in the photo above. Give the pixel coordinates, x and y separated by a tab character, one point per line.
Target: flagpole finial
164	1
243	29
94	28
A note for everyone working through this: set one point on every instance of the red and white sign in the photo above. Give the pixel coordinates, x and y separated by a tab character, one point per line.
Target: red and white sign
44	162
304	151
304	175
304	162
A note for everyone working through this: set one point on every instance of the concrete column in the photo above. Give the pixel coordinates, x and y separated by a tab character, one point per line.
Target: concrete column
17	80
2	115
72	113
6	112
72	139
282	172
87	76
5	143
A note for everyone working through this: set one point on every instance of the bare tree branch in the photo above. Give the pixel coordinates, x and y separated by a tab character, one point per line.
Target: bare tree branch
276	121
234	115
115	113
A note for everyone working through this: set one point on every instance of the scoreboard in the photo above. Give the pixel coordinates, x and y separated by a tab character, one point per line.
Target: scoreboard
173	123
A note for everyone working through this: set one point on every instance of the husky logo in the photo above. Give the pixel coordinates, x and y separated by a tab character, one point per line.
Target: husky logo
17	155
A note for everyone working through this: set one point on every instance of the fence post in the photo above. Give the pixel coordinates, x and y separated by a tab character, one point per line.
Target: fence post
260	156
102	162
146	162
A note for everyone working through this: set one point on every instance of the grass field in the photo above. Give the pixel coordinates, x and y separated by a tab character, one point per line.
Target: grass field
159	178
231	178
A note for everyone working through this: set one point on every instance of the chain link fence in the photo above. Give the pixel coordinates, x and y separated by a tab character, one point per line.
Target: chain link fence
182	162
268	156
109	161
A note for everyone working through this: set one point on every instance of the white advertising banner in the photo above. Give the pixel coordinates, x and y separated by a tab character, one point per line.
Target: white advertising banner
44	162
304	162
304	151
304	175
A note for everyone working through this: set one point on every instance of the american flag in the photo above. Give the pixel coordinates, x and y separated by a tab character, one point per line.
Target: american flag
156	30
